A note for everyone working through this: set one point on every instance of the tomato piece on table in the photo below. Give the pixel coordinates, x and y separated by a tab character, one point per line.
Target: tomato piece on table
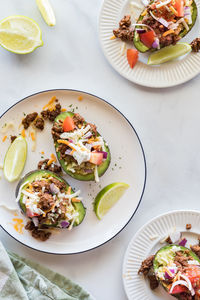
179	6
132	57
68	124
96	158
147	38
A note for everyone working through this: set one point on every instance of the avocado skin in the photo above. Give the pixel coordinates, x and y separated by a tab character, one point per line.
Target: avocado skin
88	177
30	177
142	48
155	263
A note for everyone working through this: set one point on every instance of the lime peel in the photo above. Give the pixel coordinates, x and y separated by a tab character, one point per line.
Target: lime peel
107	197
168	53
15	159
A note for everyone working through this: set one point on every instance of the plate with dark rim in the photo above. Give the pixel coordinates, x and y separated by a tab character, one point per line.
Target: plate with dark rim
127	165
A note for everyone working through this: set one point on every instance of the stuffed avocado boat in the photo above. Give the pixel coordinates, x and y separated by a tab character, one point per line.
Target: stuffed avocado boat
164	23
177	269
81	150
48	201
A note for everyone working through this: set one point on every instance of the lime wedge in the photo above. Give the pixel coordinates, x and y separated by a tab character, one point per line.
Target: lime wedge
168	53
15	159
20	34
107	197
46	11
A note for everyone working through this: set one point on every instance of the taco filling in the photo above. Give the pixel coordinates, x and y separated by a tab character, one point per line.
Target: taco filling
164	23
81	150
48	201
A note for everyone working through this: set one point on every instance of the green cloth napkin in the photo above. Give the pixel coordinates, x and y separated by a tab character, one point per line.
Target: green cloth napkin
22	279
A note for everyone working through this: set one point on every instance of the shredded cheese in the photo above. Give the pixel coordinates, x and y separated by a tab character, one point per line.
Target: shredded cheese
23	133
4	138
51	101
96	175
75	200
80	98
144	13
168	32
113	37
18	225
32	134
63	109
173	10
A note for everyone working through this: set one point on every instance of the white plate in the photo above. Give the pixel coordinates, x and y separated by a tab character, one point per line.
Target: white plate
142	245
165	75
127	164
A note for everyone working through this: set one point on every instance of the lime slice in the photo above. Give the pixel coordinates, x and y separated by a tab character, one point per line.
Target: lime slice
46	11
15	159
20	34
168	53
107	197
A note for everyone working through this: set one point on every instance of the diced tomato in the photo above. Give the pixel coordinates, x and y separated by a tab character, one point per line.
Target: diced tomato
179	289
31	214
147	38
68	124
193	273
132	57
179	6
96	158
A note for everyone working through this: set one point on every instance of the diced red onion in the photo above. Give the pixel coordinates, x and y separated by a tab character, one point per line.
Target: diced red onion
54	189
167	276
68	151
161	20
175	236
35	221
70	141
140	30
145	2
64	224
88	171
183	242
105	154
156	44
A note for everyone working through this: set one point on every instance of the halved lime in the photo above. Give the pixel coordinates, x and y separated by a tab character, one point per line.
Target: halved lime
20	34
47	12
168	53
108	196
15	159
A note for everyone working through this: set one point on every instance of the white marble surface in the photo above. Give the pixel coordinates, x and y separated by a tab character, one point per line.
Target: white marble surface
166	120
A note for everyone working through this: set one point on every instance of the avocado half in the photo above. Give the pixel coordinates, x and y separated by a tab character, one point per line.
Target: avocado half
39	174
162	252
142	48
87	177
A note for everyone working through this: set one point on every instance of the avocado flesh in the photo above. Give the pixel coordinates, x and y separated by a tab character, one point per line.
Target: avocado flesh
87	177
142	48
162	252
39	174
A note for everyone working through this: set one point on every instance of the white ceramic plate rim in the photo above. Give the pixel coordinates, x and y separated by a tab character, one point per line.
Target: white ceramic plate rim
187	75
134	238
143	154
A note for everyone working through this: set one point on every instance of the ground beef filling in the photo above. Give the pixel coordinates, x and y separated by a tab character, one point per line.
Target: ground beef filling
38	234
125	32
29	119
43	165
170	39
12	138
51	114
195	45
147	270
46	203
39	123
